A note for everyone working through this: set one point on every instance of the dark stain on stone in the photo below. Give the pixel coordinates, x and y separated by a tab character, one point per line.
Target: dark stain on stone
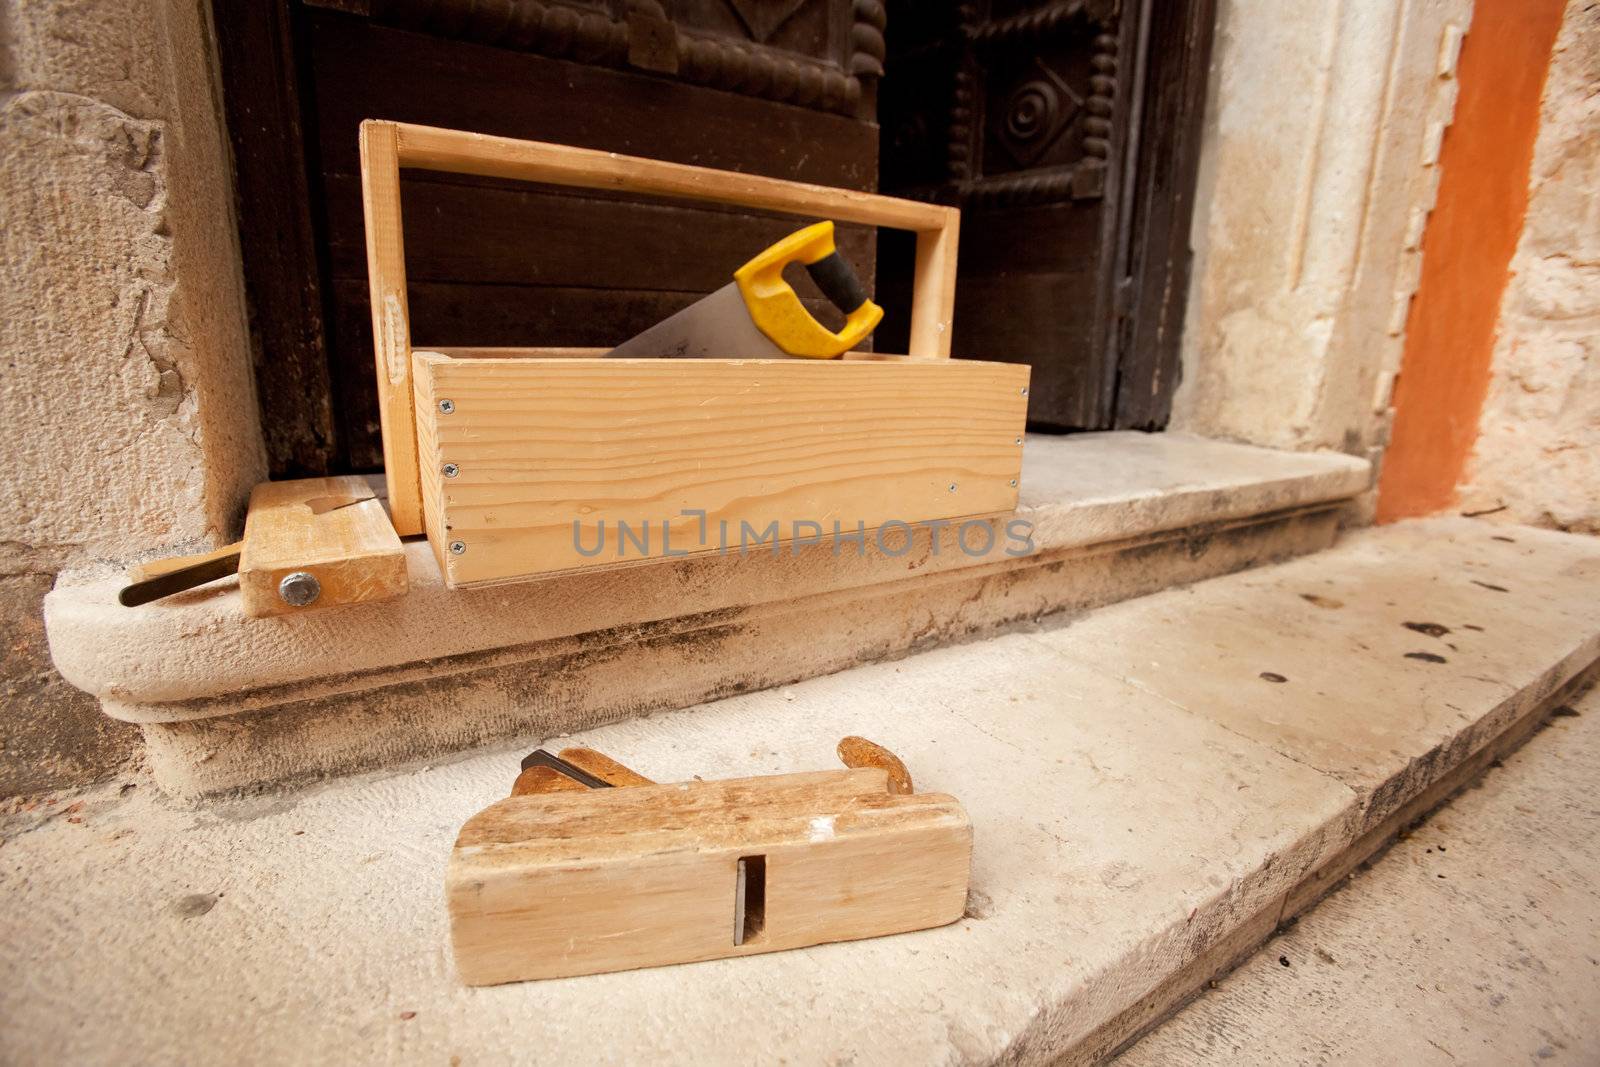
1284	960
1491	585
1427	657
1565	711
193	905
1325	956
248	809
1273	676
979	906
1469	626
1321	601
63	740
1432	629
1507	540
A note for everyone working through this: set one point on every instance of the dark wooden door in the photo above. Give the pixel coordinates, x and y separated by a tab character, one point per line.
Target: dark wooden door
1067	131
780	87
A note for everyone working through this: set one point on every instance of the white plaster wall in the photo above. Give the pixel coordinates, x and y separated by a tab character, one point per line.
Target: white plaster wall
1317	173
1538	451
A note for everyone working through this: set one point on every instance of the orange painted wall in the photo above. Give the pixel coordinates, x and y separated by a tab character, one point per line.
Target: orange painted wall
1466	254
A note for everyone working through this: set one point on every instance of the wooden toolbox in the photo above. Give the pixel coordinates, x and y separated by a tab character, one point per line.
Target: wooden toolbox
530	461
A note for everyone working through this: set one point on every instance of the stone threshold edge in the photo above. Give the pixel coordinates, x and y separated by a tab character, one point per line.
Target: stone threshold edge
1560	685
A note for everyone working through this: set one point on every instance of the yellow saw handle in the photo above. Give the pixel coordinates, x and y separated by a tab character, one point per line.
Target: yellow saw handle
776	309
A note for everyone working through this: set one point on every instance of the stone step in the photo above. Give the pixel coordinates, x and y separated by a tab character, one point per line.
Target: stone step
1472	940
1153	788
227	702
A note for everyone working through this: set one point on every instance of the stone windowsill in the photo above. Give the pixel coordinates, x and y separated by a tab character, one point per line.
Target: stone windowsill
195	655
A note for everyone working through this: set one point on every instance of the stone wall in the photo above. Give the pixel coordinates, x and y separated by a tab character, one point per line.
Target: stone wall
1317	173
1538	451
127	410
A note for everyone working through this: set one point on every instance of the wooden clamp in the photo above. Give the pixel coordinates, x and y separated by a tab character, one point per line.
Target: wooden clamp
308	544
569	876
331	533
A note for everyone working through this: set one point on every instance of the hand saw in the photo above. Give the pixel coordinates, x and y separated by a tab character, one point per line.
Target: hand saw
758	315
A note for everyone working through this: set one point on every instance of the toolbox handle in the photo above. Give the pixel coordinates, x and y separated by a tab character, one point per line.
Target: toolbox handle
388	146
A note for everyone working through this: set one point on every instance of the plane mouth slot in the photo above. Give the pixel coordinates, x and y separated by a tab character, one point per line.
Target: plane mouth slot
749	899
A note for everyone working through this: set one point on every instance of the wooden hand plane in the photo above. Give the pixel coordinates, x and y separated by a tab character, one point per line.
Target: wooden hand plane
589	867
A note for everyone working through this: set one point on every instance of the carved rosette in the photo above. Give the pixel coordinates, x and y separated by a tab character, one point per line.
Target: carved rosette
1032	101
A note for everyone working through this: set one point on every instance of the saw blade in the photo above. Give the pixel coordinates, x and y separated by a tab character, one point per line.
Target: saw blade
715	327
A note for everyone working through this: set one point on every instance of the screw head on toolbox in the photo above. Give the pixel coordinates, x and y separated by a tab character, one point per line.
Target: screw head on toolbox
299	589
446	407
952	487
458	547
451	470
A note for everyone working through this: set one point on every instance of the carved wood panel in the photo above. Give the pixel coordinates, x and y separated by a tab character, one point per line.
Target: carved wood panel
824	54
1023	113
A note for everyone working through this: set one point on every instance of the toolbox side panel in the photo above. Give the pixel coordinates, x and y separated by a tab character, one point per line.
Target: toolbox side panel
426	407
562	464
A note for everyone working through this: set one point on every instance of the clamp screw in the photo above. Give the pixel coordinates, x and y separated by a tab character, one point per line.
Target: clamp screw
451	470
446	407
299	589
1024	390
458	547
952	487
1013	483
